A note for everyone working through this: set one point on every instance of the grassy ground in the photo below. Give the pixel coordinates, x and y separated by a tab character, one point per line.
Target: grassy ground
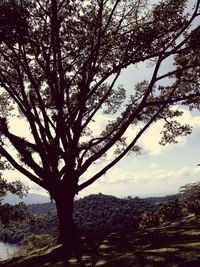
173	244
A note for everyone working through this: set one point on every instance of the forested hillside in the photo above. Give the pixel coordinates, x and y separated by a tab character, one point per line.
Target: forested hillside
93	215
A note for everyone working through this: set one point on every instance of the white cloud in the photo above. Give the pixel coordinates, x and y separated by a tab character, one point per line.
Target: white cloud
99	123
153	166
150	139
118	175
183	175
113	176
146	182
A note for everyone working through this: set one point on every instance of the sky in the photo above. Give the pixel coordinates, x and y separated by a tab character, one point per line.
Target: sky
158	171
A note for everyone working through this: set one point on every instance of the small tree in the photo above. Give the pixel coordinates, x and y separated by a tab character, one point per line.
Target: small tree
190	197
59	66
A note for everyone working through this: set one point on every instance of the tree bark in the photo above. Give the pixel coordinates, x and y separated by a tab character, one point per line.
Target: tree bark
65	206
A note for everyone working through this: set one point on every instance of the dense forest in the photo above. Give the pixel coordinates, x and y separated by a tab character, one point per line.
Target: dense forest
93	215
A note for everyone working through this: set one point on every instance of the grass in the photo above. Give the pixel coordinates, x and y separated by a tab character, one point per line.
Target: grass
173	244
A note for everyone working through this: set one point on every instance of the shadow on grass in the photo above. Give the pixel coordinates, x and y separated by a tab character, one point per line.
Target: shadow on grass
172	245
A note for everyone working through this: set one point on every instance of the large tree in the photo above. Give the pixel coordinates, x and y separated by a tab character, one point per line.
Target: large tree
60	62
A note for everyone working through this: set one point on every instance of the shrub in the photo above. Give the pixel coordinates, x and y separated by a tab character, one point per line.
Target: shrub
149	219
170	211
190	197
36	241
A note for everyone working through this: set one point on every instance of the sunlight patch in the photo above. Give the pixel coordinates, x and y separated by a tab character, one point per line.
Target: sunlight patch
162	250
155	258
191	233
100	262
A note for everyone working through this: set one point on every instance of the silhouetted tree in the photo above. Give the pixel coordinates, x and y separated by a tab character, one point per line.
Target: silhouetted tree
59	66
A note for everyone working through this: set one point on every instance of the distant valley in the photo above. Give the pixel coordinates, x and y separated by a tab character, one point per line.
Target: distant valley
29	199
39	199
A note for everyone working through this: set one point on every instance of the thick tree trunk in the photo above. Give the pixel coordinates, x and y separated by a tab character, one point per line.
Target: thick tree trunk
65	206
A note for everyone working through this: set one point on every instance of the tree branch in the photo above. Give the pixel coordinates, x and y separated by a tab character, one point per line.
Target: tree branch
24	171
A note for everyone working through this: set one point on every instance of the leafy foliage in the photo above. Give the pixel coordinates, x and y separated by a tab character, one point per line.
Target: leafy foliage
149	219
170	211
190	197
15	187
35	241
13	22
94	215
9	212
98	214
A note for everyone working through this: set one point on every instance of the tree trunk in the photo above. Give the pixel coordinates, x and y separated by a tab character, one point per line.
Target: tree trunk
65	206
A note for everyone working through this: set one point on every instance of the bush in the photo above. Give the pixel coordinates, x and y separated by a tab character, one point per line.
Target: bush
190	197
36	241
149	219
170	211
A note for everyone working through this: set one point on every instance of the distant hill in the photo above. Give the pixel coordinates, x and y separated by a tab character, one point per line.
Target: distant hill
29	199
97	214
157	200
40	199
94	215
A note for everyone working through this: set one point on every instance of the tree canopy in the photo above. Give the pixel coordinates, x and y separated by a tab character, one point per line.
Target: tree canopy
60	62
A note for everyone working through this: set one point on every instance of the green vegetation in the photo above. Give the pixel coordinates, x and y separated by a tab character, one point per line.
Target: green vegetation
167	245
114	232
10	214
190	197
93	215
